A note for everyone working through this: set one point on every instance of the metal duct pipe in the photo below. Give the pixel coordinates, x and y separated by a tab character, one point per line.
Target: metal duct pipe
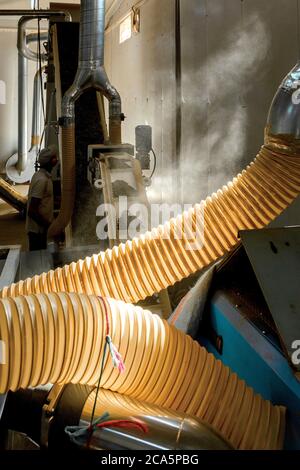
35	37
37	13
22	155
36	110
23	107
283	125
24	53
17	167
22	112
167	429
23	40
90	74
28	15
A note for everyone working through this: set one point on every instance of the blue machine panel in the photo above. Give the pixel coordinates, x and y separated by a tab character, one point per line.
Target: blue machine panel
256	360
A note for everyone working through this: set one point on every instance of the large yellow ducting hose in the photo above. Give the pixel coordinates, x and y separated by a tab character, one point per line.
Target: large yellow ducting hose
156	260
59	338
11	196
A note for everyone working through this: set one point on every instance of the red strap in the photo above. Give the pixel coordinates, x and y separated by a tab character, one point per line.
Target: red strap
124	424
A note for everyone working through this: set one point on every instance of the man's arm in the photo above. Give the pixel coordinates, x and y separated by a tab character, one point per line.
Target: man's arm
34	213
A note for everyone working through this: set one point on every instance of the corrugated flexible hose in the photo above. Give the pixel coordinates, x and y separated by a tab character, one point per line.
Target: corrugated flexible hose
158	259
11	196
68	182
59	338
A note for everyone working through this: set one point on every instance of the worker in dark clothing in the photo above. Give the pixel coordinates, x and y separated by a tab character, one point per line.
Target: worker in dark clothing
40	200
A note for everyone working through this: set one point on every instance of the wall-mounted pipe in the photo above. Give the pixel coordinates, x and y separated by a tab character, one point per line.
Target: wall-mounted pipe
29	15
37	13
22	170
22	112
17	170
37	110
59	338
42	14
20	166
90	74
24	40
38	86
25	54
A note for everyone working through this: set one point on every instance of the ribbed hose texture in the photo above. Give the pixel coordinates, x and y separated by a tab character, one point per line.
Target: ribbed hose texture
158	259
11	196
59	338
68	182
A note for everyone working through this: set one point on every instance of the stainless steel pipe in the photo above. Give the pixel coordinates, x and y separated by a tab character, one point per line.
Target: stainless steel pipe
36	13
22	112
167	429
16	170
37	109
90	74
283	124
23	40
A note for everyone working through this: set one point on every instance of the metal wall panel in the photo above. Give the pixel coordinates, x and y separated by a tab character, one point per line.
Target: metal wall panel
142	69
9	74
234	55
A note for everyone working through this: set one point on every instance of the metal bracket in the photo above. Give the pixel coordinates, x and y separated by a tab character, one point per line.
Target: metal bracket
48	412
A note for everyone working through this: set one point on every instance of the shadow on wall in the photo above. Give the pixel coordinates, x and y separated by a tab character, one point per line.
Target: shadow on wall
232	66
2	92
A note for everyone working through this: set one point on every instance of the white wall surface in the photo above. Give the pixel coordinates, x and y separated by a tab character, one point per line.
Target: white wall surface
234	55
142	70
9	74
8	110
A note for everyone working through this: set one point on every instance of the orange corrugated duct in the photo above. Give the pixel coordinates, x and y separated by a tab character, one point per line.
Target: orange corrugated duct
59	338
156	260
11	196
